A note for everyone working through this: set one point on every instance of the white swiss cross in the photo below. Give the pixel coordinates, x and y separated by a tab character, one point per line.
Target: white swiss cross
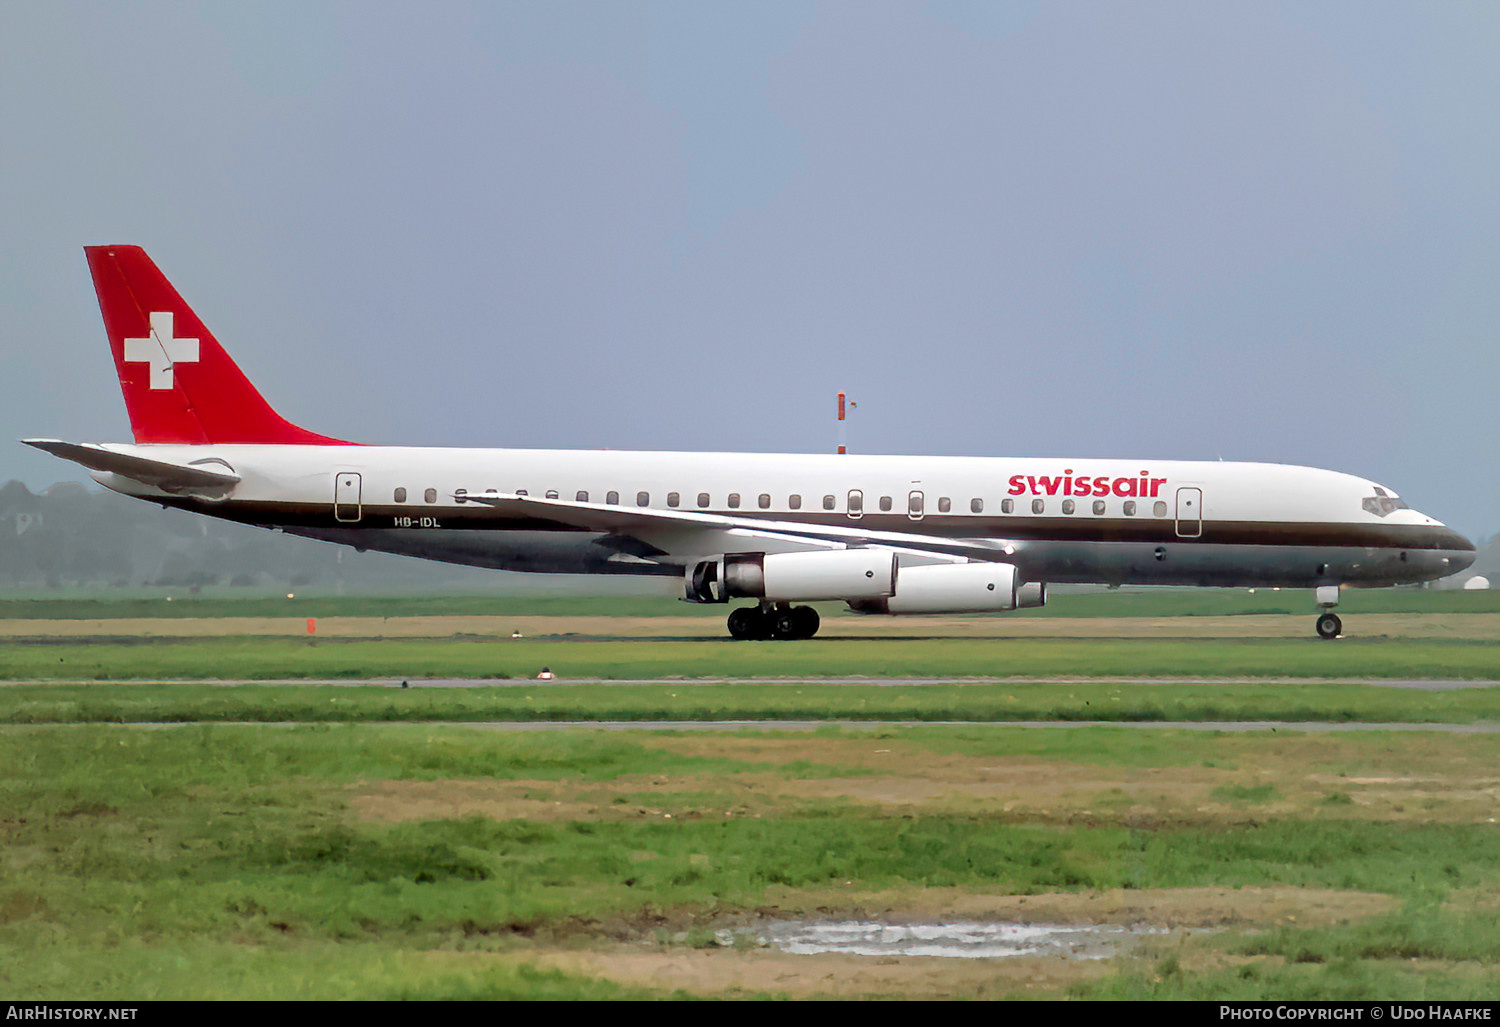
160	350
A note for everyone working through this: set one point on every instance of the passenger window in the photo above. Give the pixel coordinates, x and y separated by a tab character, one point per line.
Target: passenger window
944	504
552	493
673	499
1098	508
734	500
885	503
400	495
1069	506
765	501
829	503
521	492
976	506
794	501
1159	508
1037	506
643	499
430	495
1129	508
582	497
612	498
1007	506
703	500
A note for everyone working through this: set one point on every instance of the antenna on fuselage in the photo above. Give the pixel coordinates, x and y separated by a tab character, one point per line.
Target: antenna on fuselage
843	424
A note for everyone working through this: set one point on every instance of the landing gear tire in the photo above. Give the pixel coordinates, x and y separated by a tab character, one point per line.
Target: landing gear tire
797	623
783	623
748	623
1329	626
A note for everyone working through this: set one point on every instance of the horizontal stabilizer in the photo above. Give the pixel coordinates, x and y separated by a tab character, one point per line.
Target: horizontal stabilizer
162	474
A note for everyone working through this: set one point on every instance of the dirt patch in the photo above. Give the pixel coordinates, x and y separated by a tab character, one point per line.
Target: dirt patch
730	973
632	797
1033	789
1438	784
725	971
392	802
1158	907
1249	782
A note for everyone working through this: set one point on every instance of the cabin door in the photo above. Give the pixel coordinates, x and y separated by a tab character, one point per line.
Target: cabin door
346	506
1189	513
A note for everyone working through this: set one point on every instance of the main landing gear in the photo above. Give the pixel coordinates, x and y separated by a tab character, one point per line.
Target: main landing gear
773	621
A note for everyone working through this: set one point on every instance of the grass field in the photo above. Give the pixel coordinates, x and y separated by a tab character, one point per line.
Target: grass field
421	861
242	657
536	701
170	838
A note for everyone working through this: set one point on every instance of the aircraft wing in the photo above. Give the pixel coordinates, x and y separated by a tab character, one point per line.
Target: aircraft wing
681	533
162	474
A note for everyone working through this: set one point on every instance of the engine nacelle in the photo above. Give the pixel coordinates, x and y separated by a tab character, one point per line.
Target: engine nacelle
850	574
952	588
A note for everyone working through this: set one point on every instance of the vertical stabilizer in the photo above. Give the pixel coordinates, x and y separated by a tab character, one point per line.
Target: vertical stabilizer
179	384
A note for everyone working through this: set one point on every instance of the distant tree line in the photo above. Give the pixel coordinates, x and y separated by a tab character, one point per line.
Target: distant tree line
72	535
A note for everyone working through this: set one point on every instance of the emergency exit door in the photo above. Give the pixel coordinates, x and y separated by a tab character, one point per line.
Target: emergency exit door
1189	513
346	497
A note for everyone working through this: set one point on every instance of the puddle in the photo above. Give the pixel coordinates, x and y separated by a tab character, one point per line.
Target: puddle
960	939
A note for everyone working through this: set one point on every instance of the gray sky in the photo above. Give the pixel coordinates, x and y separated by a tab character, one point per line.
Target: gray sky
1174	230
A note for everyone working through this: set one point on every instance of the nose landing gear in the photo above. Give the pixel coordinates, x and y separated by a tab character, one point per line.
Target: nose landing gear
778	621
1329	625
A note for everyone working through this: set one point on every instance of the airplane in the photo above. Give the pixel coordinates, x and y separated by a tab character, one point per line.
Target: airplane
893	535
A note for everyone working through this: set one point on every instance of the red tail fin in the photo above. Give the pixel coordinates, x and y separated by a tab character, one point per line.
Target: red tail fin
179	384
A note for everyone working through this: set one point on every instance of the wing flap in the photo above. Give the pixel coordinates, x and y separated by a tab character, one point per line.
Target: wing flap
685	532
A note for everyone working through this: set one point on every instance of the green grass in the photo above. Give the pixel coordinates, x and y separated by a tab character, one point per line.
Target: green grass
1349	962
1420	931
1245	793
240	657
45	607
289	970
223	862
154	703
1153	602
1342	981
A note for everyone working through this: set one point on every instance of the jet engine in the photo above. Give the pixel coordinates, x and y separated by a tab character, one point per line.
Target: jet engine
850	574
869	580
952	588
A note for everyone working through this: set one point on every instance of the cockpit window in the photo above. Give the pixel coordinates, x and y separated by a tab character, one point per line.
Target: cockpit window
1382	502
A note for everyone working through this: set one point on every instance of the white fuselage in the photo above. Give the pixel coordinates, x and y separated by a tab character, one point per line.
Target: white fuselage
1073	520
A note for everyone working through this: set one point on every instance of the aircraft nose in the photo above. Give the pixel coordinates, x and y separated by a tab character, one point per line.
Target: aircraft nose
1462	560
1458	552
